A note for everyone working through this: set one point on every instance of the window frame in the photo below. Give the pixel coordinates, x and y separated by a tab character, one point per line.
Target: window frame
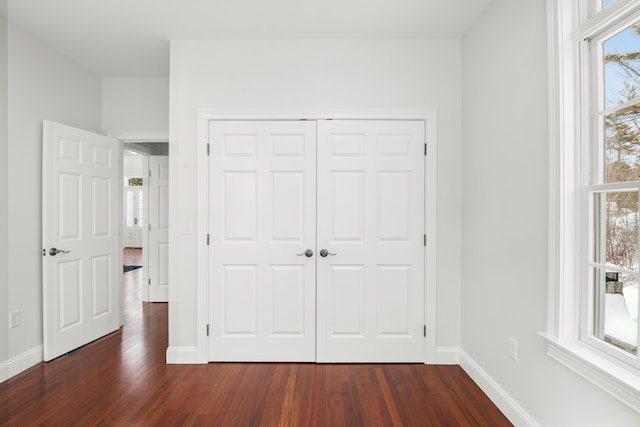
592	93
571	24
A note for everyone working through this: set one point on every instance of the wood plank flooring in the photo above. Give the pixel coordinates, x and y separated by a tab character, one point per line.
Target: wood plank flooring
122	380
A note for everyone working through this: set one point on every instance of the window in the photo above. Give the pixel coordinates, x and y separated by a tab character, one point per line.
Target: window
595	189
610	189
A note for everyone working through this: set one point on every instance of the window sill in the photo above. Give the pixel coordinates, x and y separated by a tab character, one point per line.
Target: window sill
622	383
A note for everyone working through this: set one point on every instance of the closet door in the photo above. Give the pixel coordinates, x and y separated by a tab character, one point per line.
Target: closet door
262	250
371	224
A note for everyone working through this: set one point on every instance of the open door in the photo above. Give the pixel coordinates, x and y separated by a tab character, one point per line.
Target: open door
158	229
82	258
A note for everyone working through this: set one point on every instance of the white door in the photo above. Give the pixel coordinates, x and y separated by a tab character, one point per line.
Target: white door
262	220
371	223
82	258
158	229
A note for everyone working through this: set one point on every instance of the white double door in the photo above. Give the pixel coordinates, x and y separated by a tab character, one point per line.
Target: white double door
348	193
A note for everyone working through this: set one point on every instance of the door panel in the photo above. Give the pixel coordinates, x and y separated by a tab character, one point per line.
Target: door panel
239	293
370	215
262	186
288	207
100	199
69	206
346	201
240	205
346	301
100	278
286	312
80	205
70	294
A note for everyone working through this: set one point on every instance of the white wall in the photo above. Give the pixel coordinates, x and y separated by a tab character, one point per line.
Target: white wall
133	166
504	219
4	209
42	85
135	104
318	75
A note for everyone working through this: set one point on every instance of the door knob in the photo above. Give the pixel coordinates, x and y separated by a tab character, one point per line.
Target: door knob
308	253
54	251
324	253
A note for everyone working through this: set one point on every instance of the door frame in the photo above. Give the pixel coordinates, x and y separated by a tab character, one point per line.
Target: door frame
207	115
132	137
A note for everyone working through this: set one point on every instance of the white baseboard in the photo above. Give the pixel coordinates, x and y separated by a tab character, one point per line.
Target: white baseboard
21	362
509	407
182	355
447	356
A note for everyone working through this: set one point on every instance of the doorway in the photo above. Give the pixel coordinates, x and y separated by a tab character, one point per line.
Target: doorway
145	217
135	204
318	240
82	236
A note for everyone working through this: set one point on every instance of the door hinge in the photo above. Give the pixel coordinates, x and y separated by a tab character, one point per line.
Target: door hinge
425	240
424	331
207	329
149	172
207	239
149	281
208	148
425	148
149	227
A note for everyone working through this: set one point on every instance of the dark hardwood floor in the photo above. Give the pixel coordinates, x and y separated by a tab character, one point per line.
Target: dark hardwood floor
122	380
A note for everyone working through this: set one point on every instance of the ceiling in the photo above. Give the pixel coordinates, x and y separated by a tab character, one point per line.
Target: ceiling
150	148
130	38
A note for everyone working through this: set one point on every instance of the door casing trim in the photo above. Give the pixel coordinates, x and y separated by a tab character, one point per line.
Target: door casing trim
206	115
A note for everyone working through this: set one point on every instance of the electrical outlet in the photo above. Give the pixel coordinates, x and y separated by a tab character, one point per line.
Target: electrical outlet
14	319
513	349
